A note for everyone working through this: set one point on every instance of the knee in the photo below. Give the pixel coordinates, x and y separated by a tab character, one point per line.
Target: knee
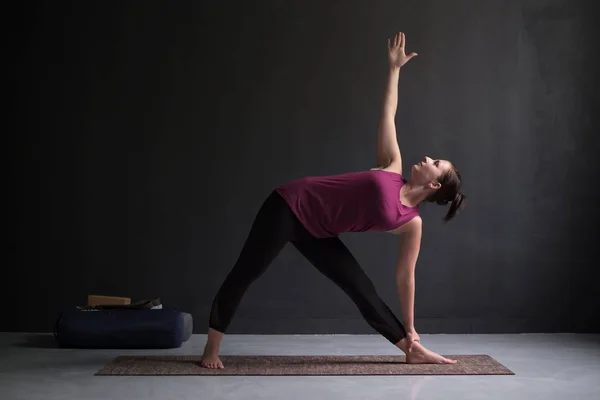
365	294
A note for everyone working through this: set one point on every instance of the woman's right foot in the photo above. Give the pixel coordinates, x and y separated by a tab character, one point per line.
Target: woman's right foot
420	355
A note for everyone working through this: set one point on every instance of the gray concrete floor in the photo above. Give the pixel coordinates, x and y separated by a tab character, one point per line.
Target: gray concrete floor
547	366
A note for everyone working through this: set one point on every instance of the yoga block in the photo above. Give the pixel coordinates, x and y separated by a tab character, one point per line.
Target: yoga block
95	300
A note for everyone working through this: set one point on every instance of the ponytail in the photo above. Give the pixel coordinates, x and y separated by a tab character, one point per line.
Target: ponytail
455	206
449	193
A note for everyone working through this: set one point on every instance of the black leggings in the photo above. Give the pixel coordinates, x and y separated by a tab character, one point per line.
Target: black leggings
276	225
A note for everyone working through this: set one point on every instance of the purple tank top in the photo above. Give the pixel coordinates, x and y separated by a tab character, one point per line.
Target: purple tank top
353	202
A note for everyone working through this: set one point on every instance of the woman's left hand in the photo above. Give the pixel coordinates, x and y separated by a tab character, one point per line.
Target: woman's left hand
396	51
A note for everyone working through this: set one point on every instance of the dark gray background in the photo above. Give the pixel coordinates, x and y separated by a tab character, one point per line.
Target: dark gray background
146	135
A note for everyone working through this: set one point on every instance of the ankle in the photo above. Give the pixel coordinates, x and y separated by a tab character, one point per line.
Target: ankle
402	345
213	341
211	350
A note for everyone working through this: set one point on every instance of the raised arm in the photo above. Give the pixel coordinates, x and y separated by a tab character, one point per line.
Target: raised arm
388	151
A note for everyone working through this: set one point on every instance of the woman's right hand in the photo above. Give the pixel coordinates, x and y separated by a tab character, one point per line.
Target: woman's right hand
396	51
412	336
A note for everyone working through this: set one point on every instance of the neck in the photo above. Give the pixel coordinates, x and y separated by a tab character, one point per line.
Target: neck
413	194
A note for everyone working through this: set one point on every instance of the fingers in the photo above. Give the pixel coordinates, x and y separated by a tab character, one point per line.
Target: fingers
399	40
410	344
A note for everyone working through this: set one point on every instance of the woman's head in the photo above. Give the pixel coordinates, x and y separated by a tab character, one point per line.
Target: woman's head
443	182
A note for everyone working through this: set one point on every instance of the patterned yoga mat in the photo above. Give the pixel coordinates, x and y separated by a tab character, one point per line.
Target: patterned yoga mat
301	365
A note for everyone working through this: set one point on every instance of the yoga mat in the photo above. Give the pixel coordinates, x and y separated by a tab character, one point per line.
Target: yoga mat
301	365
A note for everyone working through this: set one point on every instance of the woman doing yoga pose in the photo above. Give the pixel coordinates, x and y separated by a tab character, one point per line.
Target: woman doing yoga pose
311	213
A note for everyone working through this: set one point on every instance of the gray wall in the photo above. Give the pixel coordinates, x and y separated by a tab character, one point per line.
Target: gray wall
147	136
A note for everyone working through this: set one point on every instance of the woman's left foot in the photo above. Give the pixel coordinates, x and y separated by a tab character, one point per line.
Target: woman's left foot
210	359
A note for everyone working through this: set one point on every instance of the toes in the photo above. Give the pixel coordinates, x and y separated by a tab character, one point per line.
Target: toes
212	364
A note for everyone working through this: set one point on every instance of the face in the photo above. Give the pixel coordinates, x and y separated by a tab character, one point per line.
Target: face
428	171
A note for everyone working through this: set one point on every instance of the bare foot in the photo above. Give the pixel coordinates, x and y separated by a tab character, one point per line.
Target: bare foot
420	355
210	359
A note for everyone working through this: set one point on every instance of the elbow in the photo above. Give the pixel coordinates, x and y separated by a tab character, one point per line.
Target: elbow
388	113
405	276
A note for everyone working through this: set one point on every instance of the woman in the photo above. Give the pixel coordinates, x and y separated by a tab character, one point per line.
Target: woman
311	213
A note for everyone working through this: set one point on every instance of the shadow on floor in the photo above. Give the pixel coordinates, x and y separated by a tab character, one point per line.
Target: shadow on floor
38	341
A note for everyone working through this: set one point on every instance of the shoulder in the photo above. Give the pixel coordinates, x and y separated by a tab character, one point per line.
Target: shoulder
414	227
397	169
391	172
410	243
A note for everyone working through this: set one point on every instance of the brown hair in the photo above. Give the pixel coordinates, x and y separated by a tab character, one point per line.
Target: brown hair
449	193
